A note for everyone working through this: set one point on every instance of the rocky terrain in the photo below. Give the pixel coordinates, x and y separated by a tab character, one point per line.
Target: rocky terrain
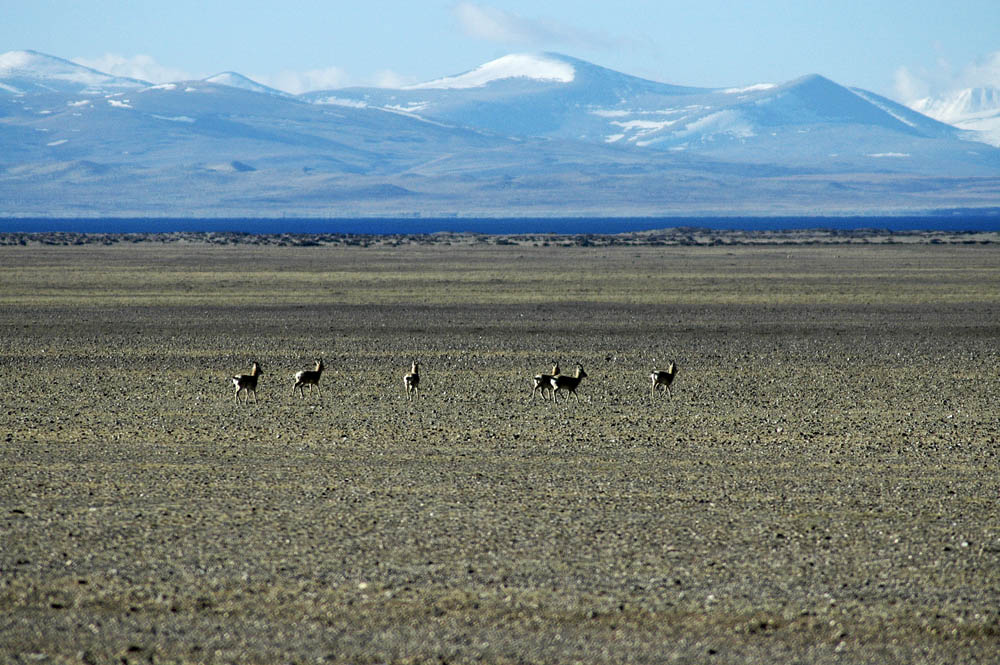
822	486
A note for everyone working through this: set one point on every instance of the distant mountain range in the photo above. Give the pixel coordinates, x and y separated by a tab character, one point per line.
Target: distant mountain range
525	135
974	109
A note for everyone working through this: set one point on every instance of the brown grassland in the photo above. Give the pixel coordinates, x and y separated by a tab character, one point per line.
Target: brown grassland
822	487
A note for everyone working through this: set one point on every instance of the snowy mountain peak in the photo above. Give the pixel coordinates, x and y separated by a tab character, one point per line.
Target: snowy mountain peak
235	80
15	60
31	71
21	63
976	110
961	106
546	68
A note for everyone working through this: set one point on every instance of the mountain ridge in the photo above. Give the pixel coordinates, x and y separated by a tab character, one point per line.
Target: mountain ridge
975	110
536	136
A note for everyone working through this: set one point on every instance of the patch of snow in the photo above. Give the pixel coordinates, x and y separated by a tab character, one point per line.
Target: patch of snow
721	122
122	104
162	86
412	107
11	89
757	87
82	102
894	155
611	113
340	101
55	143
613	138
644	126
174	118
414	116
534	67
875	102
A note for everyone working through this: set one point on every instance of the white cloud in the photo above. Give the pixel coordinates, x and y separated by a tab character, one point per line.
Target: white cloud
330	78
388	78
910	86
944	79
984	72
496	25
297	82
142	67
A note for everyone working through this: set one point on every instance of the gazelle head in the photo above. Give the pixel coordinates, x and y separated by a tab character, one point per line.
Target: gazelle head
319	365
255	369
579	371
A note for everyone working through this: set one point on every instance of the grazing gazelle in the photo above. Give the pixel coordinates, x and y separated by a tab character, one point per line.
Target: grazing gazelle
543	382
569	383
308	377
663	378
247	383
411	381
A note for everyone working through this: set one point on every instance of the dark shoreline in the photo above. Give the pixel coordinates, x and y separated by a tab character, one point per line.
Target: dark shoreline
677	236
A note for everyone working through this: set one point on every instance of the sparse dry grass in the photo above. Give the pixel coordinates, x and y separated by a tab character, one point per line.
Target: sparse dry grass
821	488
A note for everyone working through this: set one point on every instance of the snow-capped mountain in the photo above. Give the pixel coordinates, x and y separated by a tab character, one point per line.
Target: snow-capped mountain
514	66
26	72
801	122
547	95
974	109
528	135
235	80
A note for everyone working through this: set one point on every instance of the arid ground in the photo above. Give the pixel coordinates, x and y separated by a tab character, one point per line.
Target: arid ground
823	486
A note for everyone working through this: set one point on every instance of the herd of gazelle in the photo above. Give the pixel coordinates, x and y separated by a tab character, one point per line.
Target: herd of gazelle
553	383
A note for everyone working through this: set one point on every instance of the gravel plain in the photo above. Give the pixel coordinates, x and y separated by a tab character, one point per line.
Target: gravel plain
822	487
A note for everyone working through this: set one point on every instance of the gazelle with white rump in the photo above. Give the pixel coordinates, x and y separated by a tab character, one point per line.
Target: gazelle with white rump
247	383
411	381
567	383
543	382
662	379
308	377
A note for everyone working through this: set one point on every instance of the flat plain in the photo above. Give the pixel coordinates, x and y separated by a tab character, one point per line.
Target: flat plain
821	487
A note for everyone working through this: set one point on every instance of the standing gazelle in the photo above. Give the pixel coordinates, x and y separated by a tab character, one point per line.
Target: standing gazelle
308	377
568	383
247	383
663	378
543	382
411	381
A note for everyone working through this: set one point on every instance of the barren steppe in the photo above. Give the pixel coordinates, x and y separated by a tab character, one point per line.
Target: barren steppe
822	487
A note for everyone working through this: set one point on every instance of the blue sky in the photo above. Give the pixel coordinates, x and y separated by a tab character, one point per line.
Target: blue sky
899	48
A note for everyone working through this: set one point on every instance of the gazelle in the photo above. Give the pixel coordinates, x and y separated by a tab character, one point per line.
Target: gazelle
411	381
308	377
543	382
569	383
247	383
663	378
